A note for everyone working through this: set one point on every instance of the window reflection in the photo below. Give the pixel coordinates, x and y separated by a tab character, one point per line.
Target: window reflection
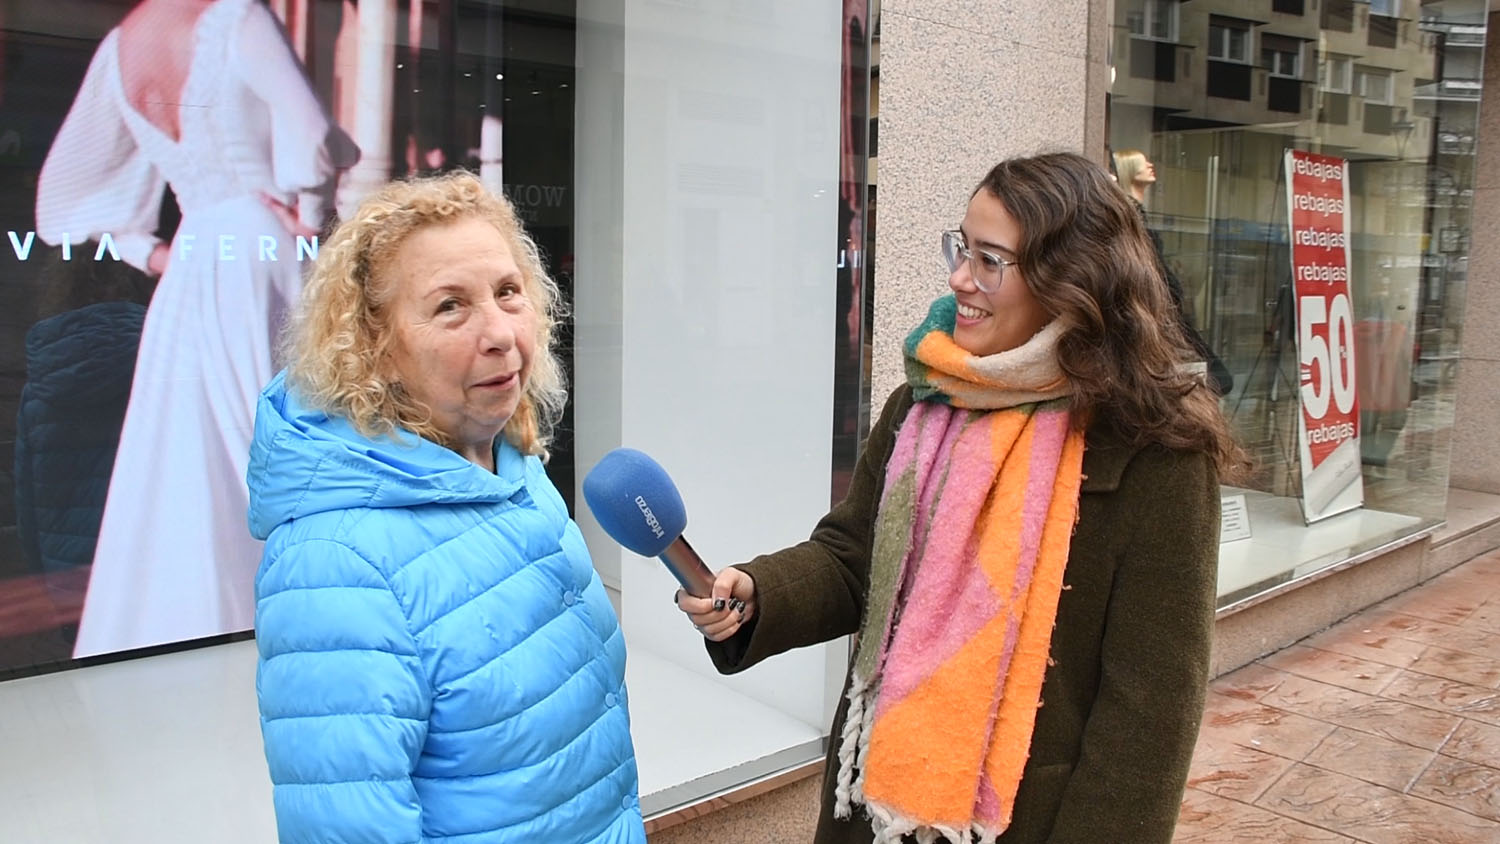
1391	87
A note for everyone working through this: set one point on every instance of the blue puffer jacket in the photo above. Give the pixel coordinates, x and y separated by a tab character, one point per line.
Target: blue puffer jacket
438	660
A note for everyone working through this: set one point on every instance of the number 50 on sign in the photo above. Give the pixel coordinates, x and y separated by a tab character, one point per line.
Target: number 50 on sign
1326	341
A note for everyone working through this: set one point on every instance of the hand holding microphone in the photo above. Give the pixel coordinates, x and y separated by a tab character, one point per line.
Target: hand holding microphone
730	607
639	507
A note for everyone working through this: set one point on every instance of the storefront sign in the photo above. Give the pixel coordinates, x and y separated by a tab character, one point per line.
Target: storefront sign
1328	426
1234	519
126	502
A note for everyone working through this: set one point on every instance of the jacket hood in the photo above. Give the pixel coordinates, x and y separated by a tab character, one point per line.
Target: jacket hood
304	461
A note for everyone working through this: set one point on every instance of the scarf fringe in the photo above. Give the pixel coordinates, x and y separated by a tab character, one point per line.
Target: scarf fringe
890	827
864	748
852	749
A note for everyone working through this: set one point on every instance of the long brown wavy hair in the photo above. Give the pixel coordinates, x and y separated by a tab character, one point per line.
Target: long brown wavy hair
1086	256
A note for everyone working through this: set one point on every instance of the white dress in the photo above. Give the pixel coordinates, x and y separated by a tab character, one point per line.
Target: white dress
175	559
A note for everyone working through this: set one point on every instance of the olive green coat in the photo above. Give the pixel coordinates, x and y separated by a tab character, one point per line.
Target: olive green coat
1121	703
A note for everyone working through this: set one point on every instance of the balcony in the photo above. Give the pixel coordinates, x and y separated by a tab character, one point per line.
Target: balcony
1334	110
1379	119
1455	34
1466	36
1338	15
1460	142
1450	90
1156	60
1229	80
1284	94
1383	32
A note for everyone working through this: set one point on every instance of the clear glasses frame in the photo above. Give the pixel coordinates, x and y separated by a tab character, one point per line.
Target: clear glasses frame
987	268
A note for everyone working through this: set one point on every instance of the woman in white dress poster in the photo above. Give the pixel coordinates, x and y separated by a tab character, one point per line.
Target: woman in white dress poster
205	96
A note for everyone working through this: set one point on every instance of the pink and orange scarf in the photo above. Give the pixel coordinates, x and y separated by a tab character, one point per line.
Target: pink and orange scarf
971	542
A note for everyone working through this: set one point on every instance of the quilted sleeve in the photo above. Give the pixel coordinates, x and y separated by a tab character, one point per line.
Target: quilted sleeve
344	700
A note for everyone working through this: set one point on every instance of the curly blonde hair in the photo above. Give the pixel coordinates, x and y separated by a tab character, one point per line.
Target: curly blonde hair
337	344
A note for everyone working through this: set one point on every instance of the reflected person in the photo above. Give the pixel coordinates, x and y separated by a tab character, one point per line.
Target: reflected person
1136	174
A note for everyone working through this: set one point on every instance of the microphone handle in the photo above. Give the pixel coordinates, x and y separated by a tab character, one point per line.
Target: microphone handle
689	569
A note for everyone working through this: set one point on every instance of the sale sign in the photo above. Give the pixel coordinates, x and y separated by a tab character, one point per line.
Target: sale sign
1328	426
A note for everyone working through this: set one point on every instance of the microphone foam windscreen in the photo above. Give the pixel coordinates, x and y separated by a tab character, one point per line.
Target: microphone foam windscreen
635	501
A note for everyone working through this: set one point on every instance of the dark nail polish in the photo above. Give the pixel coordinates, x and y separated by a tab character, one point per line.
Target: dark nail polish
718	604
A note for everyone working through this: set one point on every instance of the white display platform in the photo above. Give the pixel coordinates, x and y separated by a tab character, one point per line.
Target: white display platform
158	750
167	748
1282	549
694	736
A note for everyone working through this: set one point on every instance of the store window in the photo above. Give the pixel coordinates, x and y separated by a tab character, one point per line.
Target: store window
1281	56
1228	41
1153	26
695	178
1374	85
721	230
1320	230
148	275
1336	74
1156	19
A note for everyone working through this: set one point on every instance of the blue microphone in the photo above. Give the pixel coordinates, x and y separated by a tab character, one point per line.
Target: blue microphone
639	507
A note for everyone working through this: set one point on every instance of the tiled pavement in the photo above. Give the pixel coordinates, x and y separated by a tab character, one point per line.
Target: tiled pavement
1383	729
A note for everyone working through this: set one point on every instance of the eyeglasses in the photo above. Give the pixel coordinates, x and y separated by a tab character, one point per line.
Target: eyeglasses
987	268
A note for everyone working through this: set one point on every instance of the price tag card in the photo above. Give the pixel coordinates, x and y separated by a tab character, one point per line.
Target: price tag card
1234	519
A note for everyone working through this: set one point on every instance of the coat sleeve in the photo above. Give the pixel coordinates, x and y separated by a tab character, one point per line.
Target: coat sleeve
344	700
96	181
815	591
1154	662
307	148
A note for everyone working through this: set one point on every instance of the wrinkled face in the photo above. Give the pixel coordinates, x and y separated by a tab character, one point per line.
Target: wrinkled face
990	323
464	330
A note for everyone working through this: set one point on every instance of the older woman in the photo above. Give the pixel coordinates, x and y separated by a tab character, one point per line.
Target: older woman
1044	394
438	660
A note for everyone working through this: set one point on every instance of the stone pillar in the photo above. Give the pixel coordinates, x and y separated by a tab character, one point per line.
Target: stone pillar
1476	424
962	86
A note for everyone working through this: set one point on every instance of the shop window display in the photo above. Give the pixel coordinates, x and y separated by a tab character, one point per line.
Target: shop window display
1395	120
173	168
